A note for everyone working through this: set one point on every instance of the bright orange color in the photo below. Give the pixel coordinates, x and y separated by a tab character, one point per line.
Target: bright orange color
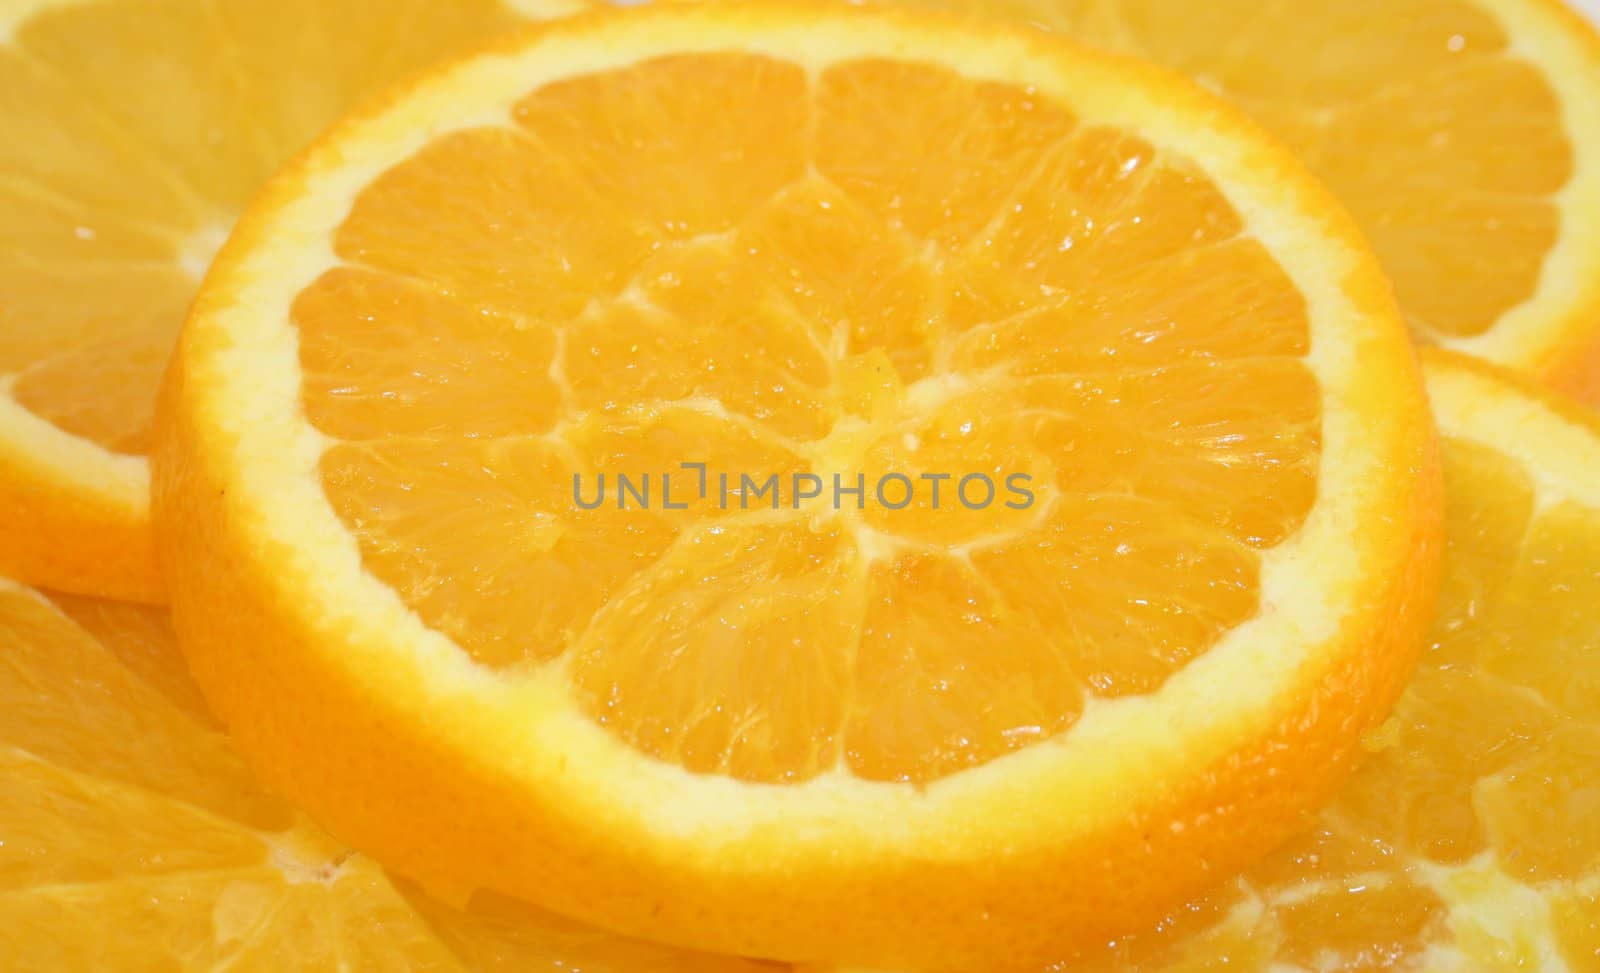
132	133
134	838
801	238
1461	134
778	322
1469	837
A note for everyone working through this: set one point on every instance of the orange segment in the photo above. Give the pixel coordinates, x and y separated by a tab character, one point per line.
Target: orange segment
1455	131
1119	635
97	355
484	197
410	361
1195	436
1474	202
151	103
749	452
123	807
877	296
937	651
1424	795
1555	577
937	153
1107	201
403	501
668	340
1577	921
720	133
1221	301
1539	811
748	634
132	133
136	739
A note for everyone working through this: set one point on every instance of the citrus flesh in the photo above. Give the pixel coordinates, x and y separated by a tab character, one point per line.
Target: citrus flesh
132	133
125	811
1468	838
1463	135
777	240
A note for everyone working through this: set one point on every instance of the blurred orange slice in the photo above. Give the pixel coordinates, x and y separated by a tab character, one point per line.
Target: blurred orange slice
1464	135
132	132
134	839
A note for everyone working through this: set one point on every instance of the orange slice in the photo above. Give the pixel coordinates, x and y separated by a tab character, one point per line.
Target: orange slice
132	132
790	242
1469	838
1464	136
124	812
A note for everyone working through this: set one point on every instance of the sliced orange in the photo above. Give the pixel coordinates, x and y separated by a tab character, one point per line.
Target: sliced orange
1464	136
1469	839
132	132
786	241
134	838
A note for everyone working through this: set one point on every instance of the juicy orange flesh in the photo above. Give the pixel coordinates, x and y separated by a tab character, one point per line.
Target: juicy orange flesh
882	269
123	807
1484	784
124	810
131	135
1445	144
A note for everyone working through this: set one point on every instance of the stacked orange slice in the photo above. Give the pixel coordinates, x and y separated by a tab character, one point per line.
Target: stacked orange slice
134	838
1468	839
1463	135
787	241
865	488
132	133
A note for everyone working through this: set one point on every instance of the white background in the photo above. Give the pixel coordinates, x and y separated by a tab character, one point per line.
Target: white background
1590	7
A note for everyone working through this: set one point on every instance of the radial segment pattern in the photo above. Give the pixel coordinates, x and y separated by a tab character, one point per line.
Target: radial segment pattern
874	268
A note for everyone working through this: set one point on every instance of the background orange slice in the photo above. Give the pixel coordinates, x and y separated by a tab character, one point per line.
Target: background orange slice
134	839
1463	135
132	132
